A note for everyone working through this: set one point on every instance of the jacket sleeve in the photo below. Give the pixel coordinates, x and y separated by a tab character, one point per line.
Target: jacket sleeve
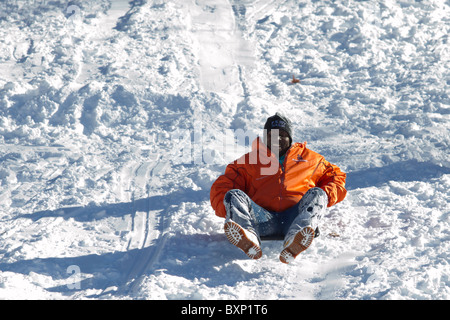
233	178
332	182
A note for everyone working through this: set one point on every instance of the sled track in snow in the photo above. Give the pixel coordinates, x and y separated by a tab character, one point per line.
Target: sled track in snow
148	226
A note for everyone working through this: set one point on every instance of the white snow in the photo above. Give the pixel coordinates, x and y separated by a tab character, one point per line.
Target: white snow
116	117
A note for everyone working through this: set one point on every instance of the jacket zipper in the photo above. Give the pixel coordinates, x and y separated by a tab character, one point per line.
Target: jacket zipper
281	182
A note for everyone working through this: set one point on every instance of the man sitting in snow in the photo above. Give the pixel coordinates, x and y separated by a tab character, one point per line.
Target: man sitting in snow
287	201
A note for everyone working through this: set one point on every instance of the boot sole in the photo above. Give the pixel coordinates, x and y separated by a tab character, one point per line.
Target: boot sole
302	240
236	235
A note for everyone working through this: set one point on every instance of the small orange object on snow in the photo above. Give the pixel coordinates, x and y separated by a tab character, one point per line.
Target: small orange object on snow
295	80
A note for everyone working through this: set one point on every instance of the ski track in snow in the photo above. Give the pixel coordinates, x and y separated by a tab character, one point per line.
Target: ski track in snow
104	186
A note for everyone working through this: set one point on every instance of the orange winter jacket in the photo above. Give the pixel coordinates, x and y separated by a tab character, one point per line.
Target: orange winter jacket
274	187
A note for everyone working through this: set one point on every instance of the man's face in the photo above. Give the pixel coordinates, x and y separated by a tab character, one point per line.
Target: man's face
278	141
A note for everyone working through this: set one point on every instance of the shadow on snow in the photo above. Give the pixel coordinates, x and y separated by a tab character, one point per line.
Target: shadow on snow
189	256
405	171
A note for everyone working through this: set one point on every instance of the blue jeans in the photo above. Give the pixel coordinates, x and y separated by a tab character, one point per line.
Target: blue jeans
307	212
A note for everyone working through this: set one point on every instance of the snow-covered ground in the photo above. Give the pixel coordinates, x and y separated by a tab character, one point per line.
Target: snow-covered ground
116	117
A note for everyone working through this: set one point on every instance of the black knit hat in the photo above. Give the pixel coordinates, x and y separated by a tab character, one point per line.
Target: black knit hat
279	122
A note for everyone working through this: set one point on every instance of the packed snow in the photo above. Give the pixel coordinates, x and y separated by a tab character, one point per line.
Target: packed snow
116	117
